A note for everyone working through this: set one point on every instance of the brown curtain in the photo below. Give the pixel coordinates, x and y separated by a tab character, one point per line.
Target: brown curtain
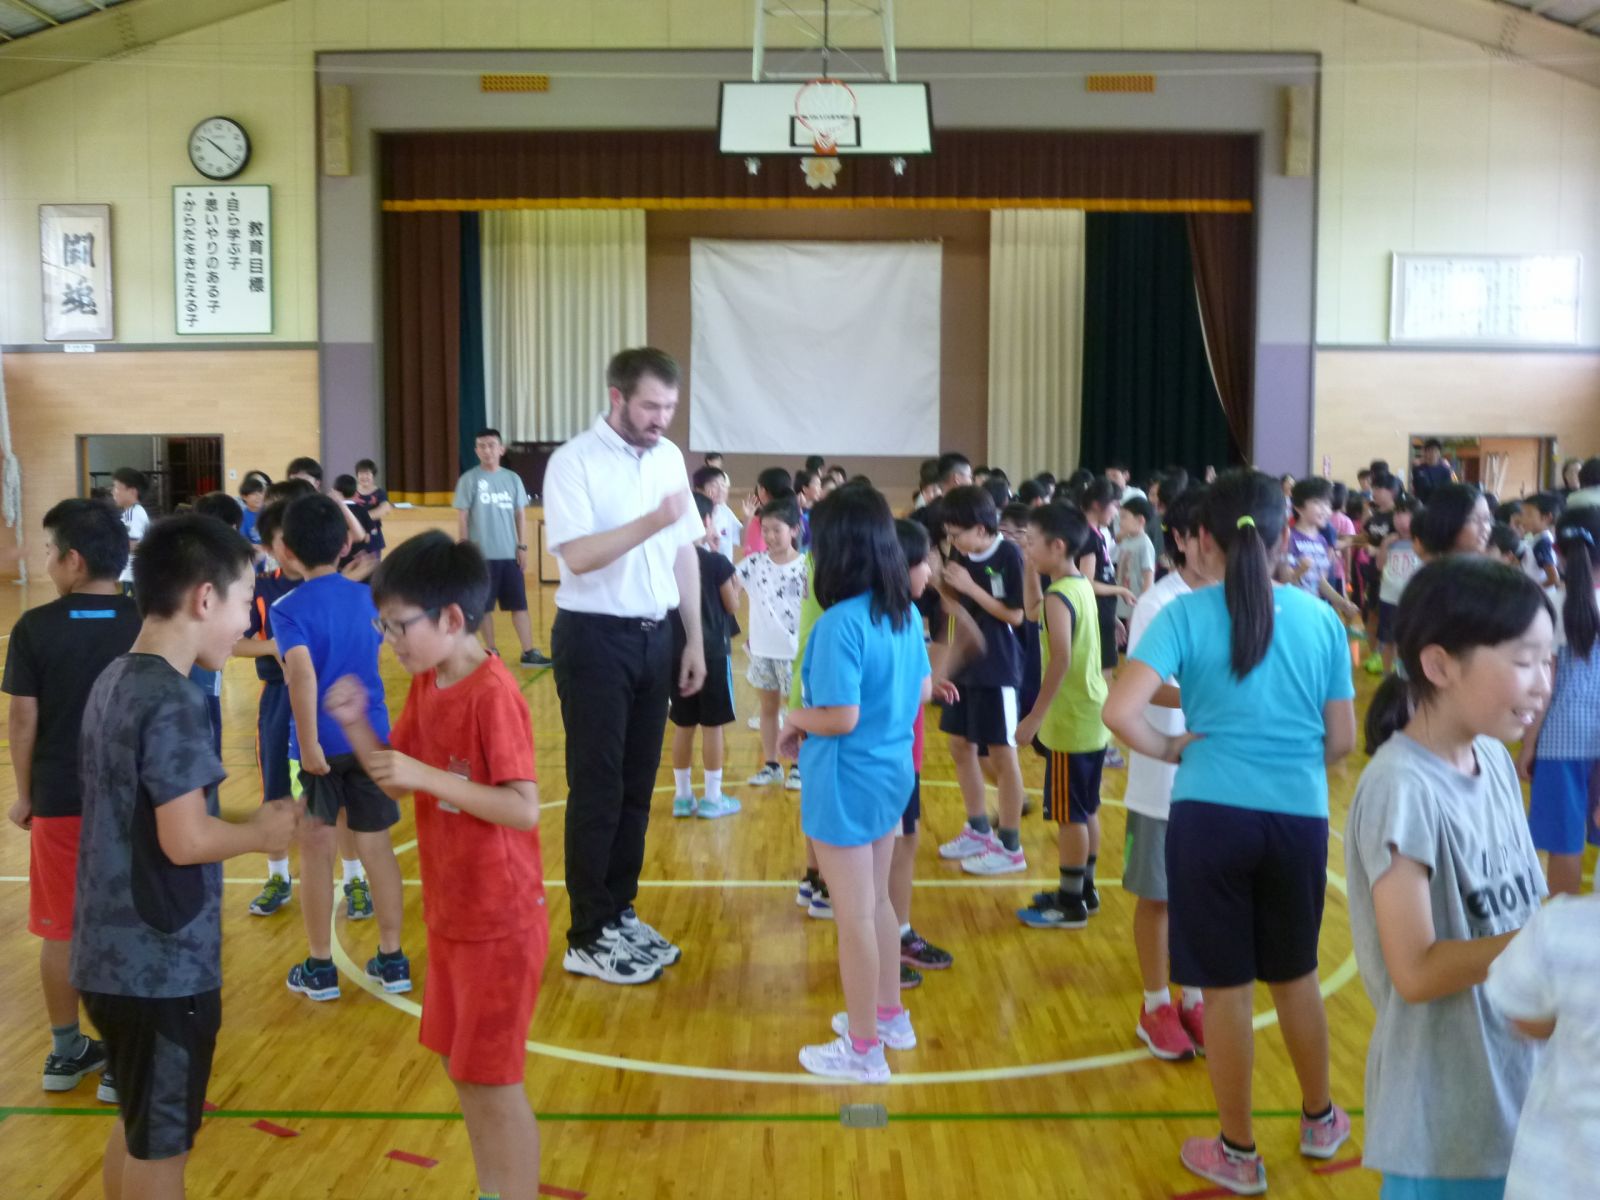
985	168
422	353
1222	247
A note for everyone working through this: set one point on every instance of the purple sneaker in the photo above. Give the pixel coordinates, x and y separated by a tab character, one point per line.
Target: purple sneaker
1243	1175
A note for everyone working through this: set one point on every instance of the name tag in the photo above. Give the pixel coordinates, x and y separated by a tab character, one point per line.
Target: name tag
997	585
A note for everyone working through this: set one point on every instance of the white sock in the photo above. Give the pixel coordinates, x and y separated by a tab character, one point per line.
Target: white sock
713	785
352	870
905	930
1153	1001
1192	997
682	780
278	866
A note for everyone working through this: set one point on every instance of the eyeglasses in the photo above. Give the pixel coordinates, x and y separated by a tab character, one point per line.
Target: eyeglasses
397	629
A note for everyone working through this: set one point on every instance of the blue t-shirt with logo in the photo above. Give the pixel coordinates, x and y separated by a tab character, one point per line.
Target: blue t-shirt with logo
857	784
332	617
1261	736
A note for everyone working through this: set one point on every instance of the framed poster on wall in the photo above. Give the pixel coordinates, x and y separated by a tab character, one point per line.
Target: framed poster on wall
222	258
75	271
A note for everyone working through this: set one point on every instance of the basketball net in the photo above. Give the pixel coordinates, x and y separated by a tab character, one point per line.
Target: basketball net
826	109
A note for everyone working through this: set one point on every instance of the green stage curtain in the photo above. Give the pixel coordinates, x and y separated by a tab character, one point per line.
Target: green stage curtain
1148	396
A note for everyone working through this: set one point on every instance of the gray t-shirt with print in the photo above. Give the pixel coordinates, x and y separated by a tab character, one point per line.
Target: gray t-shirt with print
143	925
492	500
1445	1079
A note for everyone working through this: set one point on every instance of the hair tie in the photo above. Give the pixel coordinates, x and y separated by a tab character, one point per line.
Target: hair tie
1574	532
1245	520
1400	671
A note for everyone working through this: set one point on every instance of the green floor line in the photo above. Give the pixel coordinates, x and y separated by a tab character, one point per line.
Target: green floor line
291	1114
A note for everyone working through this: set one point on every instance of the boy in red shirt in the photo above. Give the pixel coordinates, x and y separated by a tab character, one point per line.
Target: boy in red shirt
464	747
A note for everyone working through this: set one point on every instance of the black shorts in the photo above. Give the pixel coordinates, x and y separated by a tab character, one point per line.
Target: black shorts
1106	610
1072	786
985	716
1386	615
272	742
1371	580
913	813
712	706
1246	890
508	589
159	1053
368	807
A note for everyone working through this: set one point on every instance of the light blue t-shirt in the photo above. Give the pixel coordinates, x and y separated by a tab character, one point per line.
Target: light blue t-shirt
857	785
1261	743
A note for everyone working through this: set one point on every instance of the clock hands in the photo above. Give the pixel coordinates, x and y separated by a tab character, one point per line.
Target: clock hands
221	151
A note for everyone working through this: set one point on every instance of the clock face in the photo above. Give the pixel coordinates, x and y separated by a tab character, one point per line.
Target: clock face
219	148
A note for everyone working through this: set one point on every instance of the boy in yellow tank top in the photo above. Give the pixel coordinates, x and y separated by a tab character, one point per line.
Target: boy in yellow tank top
1066	716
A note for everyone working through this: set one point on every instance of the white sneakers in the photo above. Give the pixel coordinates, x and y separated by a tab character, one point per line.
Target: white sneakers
838	1060
997	860
967	843
896	1033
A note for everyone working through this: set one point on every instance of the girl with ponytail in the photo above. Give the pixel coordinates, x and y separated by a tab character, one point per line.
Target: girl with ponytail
1442	874
1264	675
1563	748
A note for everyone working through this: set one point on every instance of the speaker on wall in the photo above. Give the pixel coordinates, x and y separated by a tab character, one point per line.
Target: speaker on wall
1300	131
335	100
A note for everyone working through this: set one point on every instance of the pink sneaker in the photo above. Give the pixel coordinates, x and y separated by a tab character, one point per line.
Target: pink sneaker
1162	1031
1211	1160
968	843
1322	1139
1194	1024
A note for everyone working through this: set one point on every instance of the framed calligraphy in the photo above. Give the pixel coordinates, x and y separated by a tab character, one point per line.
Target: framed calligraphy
222	258
75	271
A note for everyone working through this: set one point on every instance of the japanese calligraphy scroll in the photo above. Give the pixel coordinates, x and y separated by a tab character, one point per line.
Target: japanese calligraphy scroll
75	264
222	258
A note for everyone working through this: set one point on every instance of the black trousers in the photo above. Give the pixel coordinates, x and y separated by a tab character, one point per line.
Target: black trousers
614	679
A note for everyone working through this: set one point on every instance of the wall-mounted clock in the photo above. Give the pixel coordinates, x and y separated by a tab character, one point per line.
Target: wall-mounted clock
219	148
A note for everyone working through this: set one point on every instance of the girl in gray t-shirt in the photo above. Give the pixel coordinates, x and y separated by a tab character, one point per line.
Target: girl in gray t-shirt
1443	874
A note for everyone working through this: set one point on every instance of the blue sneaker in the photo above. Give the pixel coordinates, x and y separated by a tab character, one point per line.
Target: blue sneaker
722	806
357	899
393	973
315	983
683	806
1054	912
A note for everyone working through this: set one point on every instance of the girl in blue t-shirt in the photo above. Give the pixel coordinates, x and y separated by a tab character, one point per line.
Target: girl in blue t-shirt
863	678
1562	751
1264	674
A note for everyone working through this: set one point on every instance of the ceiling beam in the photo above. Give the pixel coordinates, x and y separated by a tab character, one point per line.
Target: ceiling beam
37	13
1504	29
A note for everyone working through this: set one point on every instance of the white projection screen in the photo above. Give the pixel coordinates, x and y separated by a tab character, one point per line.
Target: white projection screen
814	347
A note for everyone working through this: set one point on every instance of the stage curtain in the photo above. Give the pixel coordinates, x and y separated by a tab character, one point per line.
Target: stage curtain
562	292
1036	261
1222	249
1148	396
422	353
474	409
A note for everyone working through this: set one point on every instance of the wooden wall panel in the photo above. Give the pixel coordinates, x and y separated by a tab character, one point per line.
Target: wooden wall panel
1370	401
264	403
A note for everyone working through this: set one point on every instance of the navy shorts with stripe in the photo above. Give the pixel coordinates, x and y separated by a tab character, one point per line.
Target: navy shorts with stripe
1072	786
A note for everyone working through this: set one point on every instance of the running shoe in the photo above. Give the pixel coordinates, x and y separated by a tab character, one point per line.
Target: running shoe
995	861
1164	1034
683	806
610	958
802	895
1322	1139
838	1060
63	1072
722	806
1194	1024
535	658
895	1033
273	897
917	951
768	775
969	843
358	899
394	973
1054	912
792	783
821	907
910	977
315	983
1241	1174
106	1092
1091	898
649	944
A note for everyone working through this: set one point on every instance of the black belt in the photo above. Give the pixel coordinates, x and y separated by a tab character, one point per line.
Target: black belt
648	624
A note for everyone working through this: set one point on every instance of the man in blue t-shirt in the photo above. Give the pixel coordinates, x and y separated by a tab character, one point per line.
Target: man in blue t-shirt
1432	472
326	629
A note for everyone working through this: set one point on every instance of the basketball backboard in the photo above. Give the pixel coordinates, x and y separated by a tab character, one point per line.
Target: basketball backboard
863	118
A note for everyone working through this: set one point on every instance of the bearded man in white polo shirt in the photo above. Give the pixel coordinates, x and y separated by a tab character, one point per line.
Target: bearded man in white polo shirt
622	525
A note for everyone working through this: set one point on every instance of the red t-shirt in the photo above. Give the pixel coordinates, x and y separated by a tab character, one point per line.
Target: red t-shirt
479	881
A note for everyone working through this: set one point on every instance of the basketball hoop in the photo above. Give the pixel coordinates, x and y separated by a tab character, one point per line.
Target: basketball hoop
826	109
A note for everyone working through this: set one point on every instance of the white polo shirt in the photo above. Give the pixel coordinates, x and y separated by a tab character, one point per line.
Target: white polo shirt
597	482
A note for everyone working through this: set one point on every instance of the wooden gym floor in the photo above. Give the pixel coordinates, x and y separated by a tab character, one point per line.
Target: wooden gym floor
1027	1080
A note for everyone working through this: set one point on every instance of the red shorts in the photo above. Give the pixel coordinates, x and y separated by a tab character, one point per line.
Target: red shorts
52	876
477	1003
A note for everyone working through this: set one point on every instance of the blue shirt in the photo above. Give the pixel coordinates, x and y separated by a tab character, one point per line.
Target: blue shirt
247	526
332	617
857	785
1261	736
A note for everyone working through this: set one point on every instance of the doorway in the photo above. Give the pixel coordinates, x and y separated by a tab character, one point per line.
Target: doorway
1508	467
180	467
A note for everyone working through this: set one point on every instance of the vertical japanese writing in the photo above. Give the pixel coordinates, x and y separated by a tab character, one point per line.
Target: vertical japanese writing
223	259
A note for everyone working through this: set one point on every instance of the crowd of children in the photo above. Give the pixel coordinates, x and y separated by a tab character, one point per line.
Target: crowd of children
1207	627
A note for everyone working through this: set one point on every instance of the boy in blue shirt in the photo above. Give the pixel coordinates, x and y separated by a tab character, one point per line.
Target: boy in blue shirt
326	629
